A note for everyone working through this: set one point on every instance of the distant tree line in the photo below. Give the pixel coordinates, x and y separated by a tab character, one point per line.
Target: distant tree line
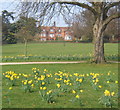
83	23
23	30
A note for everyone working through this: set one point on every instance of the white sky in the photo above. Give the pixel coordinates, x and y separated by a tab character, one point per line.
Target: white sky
11	7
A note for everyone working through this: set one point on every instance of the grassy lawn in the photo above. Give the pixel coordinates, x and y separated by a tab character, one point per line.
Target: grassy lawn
56	51
63	99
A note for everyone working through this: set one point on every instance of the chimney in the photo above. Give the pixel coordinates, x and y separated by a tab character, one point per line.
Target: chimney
54	24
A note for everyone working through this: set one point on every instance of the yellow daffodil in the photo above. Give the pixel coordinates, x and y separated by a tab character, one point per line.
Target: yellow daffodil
10	88
76	74
33	68
97	80
67	83
61	76
32	85
35	77
80	80
42	78
81	90
48	75
50	91
11	78
58	85
25	83
107	93
60	79
36	73
18	77
87	74
95	83
116	82
43	83
41	88
77	96
100	86
108	81
45	70
77	79
113	93
73	91
29	82
39	79
25	76
44	88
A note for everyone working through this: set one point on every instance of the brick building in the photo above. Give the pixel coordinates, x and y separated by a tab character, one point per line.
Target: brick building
55	33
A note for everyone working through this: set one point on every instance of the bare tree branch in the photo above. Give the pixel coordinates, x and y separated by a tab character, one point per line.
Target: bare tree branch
83	5
110	18
111	5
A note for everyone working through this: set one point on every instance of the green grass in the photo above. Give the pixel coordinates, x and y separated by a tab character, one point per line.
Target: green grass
56	49
90	97
56	52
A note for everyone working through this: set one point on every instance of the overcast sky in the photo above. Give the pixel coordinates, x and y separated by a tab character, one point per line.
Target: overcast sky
11	7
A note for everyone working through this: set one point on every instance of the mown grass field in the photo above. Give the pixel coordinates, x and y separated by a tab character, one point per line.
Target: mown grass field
57	49
89	97
55	52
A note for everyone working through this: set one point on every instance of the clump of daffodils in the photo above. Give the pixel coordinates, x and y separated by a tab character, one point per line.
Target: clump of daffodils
108	93
43	88
50	91
106	99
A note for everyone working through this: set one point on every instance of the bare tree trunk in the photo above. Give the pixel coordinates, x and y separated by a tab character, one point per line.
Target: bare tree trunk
25	48
98	31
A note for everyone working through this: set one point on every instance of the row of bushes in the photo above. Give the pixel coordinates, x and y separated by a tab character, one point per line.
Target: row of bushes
57	58
75	41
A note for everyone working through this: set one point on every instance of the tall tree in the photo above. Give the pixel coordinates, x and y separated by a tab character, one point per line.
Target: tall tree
99	10
6	17
82	25
26	30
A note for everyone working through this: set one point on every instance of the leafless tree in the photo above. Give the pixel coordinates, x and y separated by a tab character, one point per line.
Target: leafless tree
26	31
83	24
99	10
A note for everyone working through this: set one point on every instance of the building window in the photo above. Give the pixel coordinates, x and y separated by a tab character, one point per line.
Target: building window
59	35
66	32
43	30
59	30
43	34
43	39
51	35
51	30
68	37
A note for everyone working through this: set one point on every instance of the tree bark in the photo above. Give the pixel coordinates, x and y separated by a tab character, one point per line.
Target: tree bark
25	47
98	31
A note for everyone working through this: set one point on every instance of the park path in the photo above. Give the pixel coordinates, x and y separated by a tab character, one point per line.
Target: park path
66	62
17	63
